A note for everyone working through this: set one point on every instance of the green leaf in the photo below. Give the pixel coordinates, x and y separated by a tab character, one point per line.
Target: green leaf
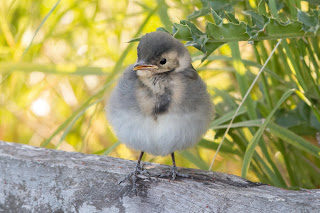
227	148
209	48
249	123
258	21
295	140
262	7
199	43
74	120
181	32
315	2
232	18
134	40
273	8
41	24
310	21
218	20
295	64
108	150
242	79
256	138
245	62
226	117
229	102
163	14
288	29
195	159
225	5
195	31
74	115
198	13
57	69
227	32
199	39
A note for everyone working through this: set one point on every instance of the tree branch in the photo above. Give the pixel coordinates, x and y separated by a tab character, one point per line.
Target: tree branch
43	180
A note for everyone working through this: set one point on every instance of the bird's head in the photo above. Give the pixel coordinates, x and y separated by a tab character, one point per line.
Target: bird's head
159	52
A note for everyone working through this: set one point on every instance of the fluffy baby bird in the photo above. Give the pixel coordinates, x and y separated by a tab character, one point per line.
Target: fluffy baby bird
160	104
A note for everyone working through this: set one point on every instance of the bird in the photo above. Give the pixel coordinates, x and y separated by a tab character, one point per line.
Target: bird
160	104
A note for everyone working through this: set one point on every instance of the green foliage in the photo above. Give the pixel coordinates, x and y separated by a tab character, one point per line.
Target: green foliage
69	54
260	26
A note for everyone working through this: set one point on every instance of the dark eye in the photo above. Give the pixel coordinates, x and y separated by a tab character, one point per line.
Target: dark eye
163	61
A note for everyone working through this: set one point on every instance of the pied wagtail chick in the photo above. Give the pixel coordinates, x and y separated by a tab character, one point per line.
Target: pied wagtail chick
160	104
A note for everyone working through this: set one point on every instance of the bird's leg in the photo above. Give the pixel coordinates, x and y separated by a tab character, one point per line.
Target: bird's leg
175	172
138	166
134	174
174	167
139	169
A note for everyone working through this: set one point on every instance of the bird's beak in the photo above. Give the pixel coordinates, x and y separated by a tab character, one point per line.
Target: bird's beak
141	65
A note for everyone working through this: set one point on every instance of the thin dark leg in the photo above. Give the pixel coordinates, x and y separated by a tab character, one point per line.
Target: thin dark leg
175	172
134	174
138	170
174	167
140	157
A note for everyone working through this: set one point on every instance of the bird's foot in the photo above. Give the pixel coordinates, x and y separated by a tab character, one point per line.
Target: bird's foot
138	171
173	174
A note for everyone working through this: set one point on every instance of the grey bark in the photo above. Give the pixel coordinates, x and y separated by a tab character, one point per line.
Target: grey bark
43	180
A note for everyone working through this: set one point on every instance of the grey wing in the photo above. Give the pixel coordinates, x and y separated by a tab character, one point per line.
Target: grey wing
196	95
123	95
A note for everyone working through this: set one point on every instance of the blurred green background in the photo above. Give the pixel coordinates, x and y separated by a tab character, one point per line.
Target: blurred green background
59	61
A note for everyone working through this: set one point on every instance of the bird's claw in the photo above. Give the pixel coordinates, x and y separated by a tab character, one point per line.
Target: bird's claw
138	171
173	174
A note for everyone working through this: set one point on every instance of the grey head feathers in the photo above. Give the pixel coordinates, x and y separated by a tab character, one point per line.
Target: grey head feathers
154	44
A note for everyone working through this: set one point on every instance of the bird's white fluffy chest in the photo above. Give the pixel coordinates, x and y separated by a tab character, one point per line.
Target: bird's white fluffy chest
168	133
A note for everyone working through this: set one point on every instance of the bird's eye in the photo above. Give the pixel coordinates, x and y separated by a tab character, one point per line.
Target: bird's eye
163	61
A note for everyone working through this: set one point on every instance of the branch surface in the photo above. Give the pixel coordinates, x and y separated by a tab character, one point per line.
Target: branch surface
42	180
